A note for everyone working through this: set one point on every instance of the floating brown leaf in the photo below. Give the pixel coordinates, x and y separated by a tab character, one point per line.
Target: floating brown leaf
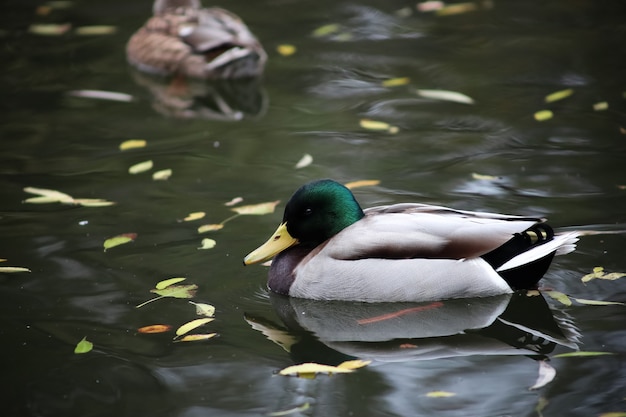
155	328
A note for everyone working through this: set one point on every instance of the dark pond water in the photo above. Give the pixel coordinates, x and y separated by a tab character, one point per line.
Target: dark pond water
506	55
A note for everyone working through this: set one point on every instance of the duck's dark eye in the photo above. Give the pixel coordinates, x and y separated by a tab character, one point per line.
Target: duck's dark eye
308	211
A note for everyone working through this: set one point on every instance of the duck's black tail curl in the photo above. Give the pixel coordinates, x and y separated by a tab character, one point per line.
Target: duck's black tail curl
527	275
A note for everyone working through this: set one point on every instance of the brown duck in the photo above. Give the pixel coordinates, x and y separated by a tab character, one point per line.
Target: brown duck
182	38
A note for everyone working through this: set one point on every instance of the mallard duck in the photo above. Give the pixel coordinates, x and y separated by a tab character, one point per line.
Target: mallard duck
328	248
182	38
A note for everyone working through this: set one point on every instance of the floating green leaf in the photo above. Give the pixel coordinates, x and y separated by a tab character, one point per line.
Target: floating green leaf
83	346
580	354
203	309
167	282
543	115
174	291
286	50
558	95
192	325
326	30
395	82
560	297
440	394
119	240
141	167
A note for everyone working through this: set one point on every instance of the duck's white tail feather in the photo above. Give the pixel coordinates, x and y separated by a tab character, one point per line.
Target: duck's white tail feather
560	244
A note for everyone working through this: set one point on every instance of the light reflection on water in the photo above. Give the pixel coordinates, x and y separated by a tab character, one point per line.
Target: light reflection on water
507	58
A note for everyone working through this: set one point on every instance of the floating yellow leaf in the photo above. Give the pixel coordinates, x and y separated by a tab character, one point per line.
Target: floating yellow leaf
305	161
203	309
600	106
95	30
13	269
196	215
560	297
101	95
580	354
361	183
354	364
374	124
155	328
141	167
395	82
286	50
309	370
193	324
119	240
48	196
598	273
483	177
83	346
257	209
196	337
162	175
207	243
597	302
440	394
294	410
543	115
167	282
210	227
177	291
558	95
3	260
445	95
234	201
133	144
93	202
49	29
326	30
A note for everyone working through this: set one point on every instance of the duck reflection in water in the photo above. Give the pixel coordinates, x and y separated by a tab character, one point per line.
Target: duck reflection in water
330	332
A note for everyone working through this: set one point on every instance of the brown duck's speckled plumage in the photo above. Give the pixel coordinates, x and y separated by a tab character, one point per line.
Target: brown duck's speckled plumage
182	38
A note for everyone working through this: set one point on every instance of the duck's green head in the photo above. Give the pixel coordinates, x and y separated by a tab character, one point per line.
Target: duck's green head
316	212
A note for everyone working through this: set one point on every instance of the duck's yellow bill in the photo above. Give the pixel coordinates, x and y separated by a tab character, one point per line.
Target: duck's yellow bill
280	240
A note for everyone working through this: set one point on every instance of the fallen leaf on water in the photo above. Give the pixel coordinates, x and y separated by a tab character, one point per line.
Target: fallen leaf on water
458	8
597	302
440	394
13	269
207	243
600	106
361	183
133	144
326	30
93	202
377	125
581	354
196	337
196	215
155	328
305	161
102	95
613	414
234	201
395	82
293	410
353	364
193	324
598	273
256	209
49	29
203	309
95	30
546	375
48	196
286	50
558	95
119	240
167	282
560	297
484	177
174	291
543	115
210	227
83	346
309	370
141	167
162	175
445	95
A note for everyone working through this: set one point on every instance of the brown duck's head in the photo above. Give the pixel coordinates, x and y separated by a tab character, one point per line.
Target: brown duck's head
162	6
